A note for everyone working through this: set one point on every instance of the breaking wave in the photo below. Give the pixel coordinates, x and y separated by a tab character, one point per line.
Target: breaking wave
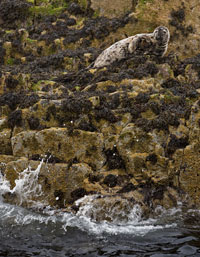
116	221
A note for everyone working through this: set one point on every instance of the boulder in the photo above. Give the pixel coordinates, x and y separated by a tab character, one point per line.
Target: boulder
66	146
51	184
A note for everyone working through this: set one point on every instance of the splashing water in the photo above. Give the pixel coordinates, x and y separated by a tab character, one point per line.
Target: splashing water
27	189
4	186
85	219
93	217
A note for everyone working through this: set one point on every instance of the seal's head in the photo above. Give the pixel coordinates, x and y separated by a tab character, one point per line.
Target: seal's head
161	34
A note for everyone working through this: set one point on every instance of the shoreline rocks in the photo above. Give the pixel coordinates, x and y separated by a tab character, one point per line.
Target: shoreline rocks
128	133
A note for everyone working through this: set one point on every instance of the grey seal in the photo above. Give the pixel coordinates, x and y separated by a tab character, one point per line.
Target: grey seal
155	43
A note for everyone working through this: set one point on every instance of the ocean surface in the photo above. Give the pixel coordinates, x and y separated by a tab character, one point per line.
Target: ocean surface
42	231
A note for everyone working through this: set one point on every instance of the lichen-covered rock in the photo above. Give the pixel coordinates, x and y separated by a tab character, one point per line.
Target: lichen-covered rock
5	142
64	145
112	9
75	184
4	159
185	164
143	154
122	135
185	168
60	184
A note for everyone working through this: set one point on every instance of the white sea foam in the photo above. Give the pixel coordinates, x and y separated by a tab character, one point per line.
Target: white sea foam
117	220
20	216
27	186
134	223
4	186
27	189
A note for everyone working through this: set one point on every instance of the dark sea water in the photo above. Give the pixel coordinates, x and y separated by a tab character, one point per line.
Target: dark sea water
45	232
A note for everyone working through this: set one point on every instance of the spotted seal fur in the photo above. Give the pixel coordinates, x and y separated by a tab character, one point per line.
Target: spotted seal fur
155	43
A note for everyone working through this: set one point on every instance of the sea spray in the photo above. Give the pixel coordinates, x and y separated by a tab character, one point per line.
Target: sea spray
117	222
108	208
96	214
4	186
27	190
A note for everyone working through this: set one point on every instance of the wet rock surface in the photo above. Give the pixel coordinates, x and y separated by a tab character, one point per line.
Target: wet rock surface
128	132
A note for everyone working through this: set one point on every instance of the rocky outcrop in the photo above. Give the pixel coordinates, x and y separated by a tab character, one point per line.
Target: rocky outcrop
62	145
124	135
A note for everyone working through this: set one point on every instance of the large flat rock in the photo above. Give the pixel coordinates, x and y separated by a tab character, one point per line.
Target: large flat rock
66	146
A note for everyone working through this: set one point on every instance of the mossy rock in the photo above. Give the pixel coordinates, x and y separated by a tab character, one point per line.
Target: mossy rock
46	10
81	145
